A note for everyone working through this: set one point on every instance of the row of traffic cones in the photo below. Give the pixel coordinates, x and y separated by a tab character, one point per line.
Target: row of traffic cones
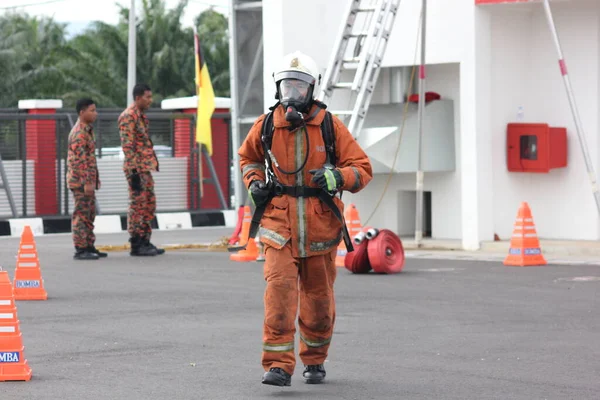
27	285
524	244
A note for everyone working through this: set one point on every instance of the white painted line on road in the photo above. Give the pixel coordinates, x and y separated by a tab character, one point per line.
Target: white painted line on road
441	269
579	279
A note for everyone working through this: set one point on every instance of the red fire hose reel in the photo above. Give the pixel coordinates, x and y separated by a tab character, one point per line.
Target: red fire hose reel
380	250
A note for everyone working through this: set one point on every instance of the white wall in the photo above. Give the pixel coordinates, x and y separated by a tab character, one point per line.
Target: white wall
446	196
313	28
525	73
447	25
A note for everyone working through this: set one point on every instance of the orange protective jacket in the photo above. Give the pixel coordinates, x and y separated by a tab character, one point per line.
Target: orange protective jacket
307	222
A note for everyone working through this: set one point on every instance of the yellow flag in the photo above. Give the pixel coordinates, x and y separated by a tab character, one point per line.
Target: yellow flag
206	99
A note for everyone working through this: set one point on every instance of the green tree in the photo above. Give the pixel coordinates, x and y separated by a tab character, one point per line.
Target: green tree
97	60
212	31
31	50
37	61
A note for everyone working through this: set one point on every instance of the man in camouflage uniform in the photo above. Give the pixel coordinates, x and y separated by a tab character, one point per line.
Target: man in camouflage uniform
83	180
140	161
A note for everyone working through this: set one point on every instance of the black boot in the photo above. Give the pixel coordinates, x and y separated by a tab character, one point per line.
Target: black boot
93	249
158	251
84	254
277	377
314	373
140	248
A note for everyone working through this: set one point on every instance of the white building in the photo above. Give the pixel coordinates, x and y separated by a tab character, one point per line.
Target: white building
489	60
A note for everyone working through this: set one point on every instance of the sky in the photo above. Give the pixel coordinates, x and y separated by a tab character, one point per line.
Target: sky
79	13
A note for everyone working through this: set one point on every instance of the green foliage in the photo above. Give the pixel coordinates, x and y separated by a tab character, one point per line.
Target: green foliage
212	31
37	61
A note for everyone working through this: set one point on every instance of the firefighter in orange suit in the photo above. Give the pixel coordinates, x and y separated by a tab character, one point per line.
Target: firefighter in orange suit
300	231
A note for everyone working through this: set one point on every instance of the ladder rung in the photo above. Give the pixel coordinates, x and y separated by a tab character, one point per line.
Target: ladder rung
355	35
366	9
354	60
343	85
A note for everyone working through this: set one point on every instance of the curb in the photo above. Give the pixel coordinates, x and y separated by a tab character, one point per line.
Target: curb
115	223
196	246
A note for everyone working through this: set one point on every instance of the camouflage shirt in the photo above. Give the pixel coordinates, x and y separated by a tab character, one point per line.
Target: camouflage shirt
135	141
81	157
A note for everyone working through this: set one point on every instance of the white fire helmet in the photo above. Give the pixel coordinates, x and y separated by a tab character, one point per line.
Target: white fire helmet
296	79
298	65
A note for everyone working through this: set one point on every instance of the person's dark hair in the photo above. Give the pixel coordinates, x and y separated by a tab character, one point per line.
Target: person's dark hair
83	104
139	89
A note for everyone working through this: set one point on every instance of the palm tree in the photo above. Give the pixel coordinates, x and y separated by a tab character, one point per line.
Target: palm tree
212	31
98	59
30	49
37	61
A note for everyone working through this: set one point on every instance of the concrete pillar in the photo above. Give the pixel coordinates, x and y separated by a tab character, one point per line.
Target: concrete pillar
476	133
41	148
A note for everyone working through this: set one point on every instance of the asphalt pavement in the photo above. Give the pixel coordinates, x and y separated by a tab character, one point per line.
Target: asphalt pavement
188	325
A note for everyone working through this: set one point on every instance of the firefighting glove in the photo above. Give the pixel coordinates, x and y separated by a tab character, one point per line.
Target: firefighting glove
259	193
328	179
136	182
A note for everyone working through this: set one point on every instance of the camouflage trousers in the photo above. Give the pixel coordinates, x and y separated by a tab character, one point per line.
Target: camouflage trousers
82	220
142	206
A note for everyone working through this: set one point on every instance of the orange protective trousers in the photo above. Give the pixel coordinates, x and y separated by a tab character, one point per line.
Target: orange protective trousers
290	279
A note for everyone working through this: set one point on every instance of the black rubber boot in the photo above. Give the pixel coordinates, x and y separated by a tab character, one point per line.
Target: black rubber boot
314	373
93	249
140	248
277	377
84	254
158	251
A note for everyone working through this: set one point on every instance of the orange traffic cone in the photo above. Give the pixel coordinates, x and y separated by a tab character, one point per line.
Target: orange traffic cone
248	254
28	283
251	251
246	221
354	227
235	236
524	245
13	365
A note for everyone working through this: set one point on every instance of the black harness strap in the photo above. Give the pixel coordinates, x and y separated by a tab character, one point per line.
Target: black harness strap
327	130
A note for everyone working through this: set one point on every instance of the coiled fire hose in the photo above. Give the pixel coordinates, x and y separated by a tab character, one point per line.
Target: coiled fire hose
379	250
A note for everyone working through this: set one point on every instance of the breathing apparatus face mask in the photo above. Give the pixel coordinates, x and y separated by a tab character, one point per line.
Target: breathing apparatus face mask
296	97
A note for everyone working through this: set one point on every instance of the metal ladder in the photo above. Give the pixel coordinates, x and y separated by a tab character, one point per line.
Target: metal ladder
4	185
366	62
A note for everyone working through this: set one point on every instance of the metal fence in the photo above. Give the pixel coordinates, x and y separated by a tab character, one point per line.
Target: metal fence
33	148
